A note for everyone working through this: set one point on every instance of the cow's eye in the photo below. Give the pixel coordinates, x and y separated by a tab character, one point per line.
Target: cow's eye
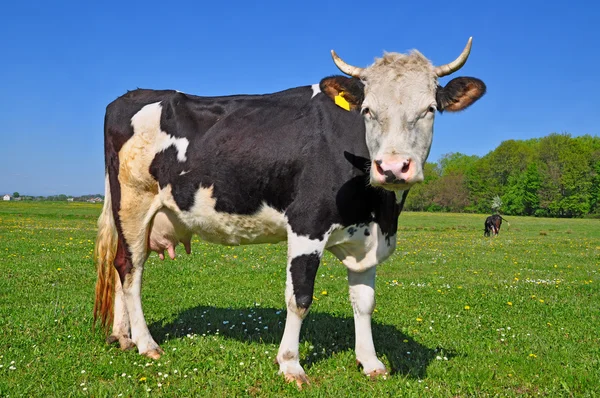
367	112
431	109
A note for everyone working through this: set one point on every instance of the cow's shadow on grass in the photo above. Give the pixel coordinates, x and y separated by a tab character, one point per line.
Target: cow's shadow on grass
328	335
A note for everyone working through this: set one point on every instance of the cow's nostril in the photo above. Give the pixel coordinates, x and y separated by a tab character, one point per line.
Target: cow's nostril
378	166
406	166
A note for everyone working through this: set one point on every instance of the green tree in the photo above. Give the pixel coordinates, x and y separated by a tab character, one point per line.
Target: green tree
567	175
16	195
456	163
595	189
557	176
481	191
451	192
521	197
421	195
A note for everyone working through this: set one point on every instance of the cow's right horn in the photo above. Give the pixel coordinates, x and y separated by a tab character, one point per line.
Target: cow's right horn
344	67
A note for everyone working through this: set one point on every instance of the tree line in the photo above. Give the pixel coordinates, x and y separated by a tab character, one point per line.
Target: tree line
55	198
554	176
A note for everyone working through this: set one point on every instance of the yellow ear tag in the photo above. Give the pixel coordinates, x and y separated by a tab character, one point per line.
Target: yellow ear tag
341	101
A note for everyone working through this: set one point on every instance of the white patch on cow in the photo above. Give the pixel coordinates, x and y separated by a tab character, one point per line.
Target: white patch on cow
360	247
180	144
300	245
184	172
316	90
267	225
146	123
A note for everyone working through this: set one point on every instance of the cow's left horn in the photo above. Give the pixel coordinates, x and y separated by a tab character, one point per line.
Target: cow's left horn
455	65
344	67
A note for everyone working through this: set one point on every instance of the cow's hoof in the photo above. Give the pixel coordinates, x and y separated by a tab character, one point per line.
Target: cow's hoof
377	373
112	339
374	368
125	343
154	353
292	371
300	379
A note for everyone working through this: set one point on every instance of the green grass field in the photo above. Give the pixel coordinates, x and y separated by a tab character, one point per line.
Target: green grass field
457	314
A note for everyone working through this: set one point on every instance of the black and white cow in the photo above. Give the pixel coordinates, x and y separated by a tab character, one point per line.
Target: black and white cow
326	167
492	225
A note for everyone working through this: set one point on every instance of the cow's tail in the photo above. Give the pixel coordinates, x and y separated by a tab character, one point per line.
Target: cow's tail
104	256
504	219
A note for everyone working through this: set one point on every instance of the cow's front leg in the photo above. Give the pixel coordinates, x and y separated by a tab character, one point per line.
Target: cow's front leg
304	255
362	297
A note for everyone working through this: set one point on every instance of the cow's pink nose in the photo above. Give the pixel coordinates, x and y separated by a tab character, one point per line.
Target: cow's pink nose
394	171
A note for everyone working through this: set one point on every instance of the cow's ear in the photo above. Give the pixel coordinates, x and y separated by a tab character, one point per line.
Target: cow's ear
459	94
346	92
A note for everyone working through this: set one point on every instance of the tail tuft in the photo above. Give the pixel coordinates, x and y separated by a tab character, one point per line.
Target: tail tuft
104	256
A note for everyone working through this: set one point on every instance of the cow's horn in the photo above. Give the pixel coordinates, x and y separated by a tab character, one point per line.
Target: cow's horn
344	67
455	65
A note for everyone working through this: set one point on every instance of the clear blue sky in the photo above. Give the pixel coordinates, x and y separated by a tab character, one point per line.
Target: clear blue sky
62	62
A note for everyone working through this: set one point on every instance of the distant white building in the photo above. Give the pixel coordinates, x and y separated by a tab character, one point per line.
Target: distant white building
7	197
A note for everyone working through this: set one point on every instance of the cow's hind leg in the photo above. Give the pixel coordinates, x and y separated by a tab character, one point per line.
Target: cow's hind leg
304	256
121	331
140	335
362	296
136	217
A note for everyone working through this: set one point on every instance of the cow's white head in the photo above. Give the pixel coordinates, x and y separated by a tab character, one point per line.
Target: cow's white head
401	95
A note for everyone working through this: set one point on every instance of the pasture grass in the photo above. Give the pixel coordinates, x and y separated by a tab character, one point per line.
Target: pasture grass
457	314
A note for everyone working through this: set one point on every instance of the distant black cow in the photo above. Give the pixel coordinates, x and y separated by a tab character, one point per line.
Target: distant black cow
492	224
